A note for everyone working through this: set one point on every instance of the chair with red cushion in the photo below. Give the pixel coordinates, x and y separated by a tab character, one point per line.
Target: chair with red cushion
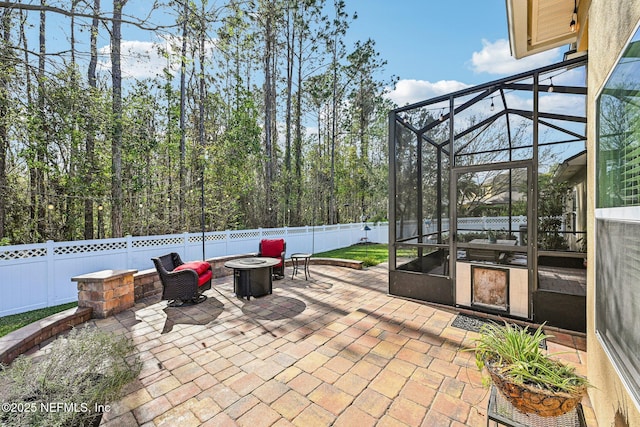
274	248
183	282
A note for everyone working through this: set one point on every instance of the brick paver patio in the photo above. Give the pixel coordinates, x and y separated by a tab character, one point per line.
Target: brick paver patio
333	350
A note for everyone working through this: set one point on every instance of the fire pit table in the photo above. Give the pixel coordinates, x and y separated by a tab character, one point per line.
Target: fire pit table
252	276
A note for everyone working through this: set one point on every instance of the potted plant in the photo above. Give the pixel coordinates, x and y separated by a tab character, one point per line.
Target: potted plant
531	380
72	384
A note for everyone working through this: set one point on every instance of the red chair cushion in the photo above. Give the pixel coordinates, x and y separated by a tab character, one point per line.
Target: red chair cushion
205	278
272	247
199	266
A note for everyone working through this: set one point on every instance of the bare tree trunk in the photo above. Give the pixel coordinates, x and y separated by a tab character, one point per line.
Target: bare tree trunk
274	133
333	217
90	141
183	97
33	199
40	137
72	29
339	28
201	114
116	135
291	40
4	109
364	155
297	142
71	204
268	115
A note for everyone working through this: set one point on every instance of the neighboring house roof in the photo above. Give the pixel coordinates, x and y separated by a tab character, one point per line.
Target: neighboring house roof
571	168
501	183
539	25
503	198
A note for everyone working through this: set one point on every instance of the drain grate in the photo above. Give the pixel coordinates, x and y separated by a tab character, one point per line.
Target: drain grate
470	323
473	324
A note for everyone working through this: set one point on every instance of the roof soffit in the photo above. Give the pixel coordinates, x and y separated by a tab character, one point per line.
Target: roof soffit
539	25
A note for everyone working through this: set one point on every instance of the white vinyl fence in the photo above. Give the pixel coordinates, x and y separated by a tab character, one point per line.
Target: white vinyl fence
39	275
477	224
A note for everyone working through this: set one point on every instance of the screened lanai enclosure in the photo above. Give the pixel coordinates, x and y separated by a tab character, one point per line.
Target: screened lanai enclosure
488	197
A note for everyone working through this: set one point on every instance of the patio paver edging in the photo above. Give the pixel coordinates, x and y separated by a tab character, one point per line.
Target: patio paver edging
26	338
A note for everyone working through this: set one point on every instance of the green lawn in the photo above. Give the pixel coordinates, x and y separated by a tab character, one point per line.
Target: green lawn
16	321
370	254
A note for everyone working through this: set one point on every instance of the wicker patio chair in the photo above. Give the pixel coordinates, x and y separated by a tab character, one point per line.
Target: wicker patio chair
183	282
274	248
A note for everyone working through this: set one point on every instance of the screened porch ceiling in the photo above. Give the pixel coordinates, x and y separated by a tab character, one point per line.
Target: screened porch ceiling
497	118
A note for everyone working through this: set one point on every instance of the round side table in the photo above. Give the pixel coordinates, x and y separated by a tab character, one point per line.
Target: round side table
296	260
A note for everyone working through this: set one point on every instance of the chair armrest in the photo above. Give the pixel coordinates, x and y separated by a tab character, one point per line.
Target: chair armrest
182	284
182	275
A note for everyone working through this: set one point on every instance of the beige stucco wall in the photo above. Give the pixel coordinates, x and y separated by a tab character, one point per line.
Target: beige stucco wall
611	23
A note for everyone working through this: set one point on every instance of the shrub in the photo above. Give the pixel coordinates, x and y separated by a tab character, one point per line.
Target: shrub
370	261
83	370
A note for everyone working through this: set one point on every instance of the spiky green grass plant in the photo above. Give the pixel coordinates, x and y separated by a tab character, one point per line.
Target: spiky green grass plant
516	354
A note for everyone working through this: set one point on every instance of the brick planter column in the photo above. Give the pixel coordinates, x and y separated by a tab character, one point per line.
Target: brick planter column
107	292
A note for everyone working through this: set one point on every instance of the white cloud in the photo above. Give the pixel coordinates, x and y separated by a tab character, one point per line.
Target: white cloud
495	58
558	103
563	104
145	59
139	59
311	130
409	91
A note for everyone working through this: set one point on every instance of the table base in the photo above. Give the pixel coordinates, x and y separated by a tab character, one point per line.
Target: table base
252	283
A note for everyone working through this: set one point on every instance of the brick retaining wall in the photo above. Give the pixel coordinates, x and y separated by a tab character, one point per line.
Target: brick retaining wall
24	339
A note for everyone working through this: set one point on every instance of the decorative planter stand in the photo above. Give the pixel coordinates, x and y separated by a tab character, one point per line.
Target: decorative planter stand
502	412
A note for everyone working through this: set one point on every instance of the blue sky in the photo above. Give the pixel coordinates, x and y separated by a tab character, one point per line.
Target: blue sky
436	47
429	39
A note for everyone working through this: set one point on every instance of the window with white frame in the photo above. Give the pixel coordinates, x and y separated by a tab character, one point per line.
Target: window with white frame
617	248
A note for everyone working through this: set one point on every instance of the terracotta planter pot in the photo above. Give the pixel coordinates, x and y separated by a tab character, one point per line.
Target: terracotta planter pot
530	399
